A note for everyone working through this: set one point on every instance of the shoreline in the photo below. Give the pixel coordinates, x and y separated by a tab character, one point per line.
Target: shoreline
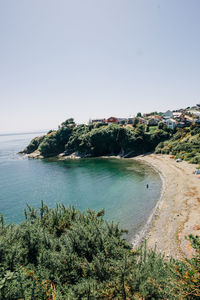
142	235
177	212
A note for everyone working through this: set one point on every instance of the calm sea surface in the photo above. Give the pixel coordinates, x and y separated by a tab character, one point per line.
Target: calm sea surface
119	186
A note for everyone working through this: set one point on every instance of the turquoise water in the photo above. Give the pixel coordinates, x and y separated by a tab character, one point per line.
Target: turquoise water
119	186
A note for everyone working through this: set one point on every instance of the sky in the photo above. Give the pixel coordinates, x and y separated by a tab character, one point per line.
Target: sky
95	58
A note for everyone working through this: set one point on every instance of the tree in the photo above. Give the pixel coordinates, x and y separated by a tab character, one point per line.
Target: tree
68	122
135	122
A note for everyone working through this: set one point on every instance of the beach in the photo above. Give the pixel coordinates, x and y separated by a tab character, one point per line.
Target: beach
178	211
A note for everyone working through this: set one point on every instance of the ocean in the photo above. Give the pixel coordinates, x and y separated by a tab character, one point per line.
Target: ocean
117	185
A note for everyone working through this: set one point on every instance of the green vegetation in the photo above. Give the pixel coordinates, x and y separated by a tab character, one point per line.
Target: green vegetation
152	129
63	253
98	139
34	144
126	141
54	142
184	144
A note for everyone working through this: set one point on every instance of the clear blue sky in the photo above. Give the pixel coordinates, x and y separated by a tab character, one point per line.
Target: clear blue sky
95	58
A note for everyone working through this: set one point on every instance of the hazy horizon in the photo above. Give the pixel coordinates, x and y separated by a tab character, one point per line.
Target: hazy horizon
94	59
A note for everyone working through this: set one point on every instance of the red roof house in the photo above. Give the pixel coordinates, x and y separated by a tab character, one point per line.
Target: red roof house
112	120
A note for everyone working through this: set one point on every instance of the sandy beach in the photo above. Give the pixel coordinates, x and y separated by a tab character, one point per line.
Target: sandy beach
178	212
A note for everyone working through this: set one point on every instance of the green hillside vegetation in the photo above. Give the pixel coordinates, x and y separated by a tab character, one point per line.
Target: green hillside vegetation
126	141
97	140
184	144
63	253
34	144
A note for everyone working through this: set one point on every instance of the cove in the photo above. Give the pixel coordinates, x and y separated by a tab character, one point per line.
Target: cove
117	185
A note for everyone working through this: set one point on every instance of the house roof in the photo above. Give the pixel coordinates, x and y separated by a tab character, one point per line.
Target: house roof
171	121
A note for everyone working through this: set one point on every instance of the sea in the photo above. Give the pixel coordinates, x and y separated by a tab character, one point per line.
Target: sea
117	185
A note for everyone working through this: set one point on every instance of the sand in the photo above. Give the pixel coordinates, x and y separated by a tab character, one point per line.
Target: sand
178	212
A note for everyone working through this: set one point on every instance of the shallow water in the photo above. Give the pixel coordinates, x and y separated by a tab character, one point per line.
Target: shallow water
119	186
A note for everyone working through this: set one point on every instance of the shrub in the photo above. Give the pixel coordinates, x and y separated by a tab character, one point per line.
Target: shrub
63	253
34	144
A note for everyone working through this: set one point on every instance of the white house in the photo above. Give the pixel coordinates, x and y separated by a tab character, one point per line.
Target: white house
170	123
196	113
168	114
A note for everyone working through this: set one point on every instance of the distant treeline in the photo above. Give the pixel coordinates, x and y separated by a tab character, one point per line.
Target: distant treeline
63	253
98	139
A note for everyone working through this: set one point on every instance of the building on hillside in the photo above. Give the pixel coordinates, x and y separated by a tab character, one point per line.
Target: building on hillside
130	121
177	115
141	120
195	113
184	123
146	115
98	121
168	114
157	117
152	122
170	123
181	125
122	120
112	120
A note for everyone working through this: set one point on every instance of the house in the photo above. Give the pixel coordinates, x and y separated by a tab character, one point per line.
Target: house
157	117
195	113
177	115
152	122
122	121
170	123
112	120
181	125
98	121
130	121
168	114
142	120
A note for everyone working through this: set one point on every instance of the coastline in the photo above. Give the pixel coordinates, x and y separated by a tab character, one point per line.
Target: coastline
143	234
177	212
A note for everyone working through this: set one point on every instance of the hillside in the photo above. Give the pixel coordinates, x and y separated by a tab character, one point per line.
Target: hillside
184	144
97	140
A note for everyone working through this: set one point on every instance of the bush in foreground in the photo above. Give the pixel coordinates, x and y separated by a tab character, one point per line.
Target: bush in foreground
63	253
